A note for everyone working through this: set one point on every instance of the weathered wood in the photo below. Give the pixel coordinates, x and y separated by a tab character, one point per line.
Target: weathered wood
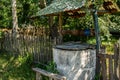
102	57
104	68
111	68
38	76
119	60
49	74
50	78
60	28
113	64
116	54
106	56
29	41
51	21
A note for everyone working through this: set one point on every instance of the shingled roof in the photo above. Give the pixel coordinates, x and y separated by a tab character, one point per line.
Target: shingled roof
61	6
74	7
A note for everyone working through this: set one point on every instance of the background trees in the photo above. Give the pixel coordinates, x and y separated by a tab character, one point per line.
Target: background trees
5	14
14	16
27	8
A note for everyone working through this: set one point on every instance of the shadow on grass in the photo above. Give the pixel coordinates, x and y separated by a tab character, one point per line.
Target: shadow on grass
15	68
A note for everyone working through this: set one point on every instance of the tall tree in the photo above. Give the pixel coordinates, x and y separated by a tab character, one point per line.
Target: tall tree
14	16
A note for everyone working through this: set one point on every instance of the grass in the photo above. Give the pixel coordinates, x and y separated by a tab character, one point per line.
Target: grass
15	68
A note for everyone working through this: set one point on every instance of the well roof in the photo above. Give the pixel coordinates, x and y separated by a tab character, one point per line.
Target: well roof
61	6
74	6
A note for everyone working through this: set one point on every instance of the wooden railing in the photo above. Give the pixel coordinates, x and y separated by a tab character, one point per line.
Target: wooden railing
51	76
110	65
36	42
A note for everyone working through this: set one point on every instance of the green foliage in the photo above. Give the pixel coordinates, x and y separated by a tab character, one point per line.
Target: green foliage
1	34
97	77
5	13
115	23
50	67
26	59
109	44
104	29
15	68
26	8
79	23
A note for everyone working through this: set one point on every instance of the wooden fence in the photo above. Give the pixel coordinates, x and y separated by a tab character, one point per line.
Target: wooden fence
36	42
110	64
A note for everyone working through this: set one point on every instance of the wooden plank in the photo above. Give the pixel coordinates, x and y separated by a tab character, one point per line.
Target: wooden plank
106	55
44	54
110	69
103	63
50	78
60	28
49	74
115	61
119	60
37	45
104	69
38	76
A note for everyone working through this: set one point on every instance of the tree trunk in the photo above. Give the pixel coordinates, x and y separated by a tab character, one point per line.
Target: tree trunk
14	16
42	4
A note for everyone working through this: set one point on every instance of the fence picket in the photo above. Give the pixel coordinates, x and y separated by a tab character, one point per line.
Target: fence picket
110	68
36	43
113	67
119	59
104	69
38	76
115	61
103	63
50	78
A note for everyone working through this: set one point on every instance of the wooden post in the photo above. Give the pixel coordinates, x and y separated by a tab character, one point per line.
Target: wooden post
111	68
98	43
119	60
116	57
38	76
50	28
50	78
50	21
60	28
47	74
104	68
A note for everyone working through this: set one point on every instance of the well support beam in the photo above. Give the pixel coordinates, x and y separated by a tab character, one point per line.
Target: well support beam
98	42
60	28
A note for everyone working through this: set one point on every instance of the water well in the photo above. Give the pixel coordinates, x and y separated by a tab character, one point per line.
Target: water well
76	61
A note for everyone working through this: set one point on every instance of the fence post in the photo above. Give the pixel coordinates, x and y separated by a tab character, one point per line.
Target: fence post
38	76
104	67
111	68
50	78
116	54
119	58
